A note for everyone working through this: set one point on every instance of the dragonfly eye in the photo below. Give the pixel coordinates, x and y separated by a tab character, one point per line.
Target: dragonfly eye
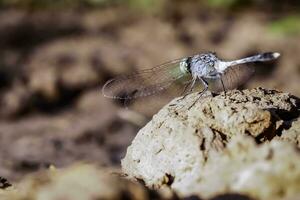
183	65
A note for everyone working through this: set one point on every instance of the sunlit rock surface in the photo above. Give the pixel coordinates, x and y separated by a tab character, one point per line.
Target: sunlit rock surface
236	143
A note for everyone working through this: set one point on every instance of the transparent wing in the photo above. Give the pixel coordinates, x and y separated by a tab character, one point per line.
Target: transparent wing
232	78
144	83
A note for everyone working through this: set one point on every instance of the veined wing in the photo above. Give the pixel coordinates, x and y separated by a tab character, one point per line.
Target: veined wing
144	83
232	78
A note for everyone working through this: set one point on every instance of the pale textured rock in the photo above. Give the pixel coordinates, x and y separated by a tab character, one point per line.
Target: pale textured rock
204	150
261	171
75	183
292	134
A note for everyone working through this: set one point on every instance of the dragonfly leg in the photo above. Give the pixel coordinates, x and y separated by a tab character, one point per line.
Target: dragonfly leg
190	85
201	92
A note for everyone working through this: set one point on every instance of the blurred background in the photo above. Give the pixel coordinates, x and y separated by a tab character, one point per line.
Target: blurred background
56	55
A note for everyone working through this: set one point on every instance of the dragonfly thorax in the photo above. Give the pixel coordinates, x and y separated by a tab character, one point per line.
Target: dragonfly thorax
204	65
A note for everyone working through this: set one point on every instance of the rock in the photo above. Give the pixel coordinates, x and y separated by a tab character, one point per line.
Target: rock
77	182
261	171
222	144
292	134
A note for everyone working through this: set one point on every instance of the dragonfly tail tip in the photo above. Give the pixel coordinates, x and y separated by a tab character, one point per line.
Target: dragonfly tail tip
276	55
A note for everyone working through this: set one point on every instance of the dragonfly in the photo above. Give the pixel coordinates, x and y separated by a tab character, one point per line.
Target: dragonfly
203	68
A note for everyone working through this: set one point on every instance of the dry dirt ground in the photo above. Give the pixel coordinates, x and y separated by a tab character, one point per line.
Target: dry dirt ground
53	64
